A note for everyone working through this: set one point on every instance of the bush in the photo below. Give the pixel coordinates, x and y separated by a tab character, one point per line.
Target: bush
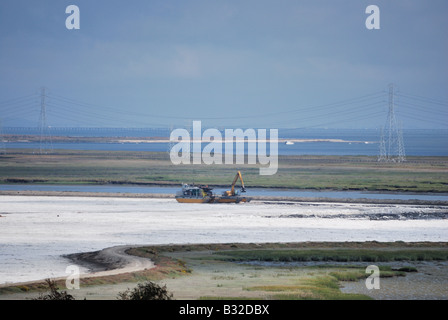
54	293
146	291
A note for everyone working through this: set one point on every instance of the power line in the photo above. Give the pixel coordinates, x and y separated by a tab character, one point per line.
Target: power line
363	107
15	100
251	116
424	99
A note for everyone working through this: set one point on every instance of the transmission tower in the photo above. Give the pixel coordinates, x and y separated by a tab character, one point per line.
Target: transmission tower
170	143
2	142
45	145
391	144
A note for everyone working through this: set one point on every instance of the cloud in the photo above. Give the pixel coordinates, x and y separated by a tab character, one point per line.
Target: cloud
180	61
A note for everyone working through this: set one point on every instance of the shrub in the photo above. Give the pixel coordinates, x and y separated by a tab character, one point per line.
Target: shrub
54	293
146	291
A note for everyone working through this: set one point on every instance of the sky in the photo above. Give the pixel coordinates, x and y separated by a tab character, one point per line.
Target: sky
230	63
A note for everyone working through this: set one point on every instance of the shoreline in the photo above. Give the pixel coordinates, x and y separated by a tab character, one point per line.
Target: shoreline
133	140
117	268
276	199
110	261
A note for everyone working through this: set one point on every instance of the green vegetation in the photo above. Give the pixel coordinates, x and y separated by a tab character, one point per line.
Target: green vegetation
54	293
341	255
321	281
208	271
146	291
324	287
419	174
360	273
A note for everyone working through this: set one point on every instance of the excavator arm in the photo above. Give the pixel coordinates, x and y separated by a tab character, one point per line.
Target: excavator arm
237	176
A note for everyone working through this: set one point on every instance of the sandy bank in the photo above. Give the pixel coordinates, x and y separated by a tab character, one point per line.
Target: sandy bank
107	262
110	261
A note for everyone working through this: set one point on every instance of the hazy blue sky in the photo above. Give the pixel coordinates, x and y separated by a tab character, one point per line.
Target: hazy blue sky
243	63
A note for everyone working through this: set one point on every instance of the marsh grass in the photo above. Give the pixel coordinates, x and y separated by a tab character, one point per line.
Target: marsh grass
419	174
324	287
361	274
337	255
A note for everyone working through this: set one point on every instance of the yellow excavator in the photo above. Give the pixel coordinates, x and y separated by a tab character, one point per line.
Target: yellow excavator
232	191
231	195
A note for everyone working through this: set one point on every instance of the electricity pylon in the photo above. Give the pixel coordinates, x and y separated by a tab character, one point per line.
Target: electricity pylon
391	144
2	143
45	144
